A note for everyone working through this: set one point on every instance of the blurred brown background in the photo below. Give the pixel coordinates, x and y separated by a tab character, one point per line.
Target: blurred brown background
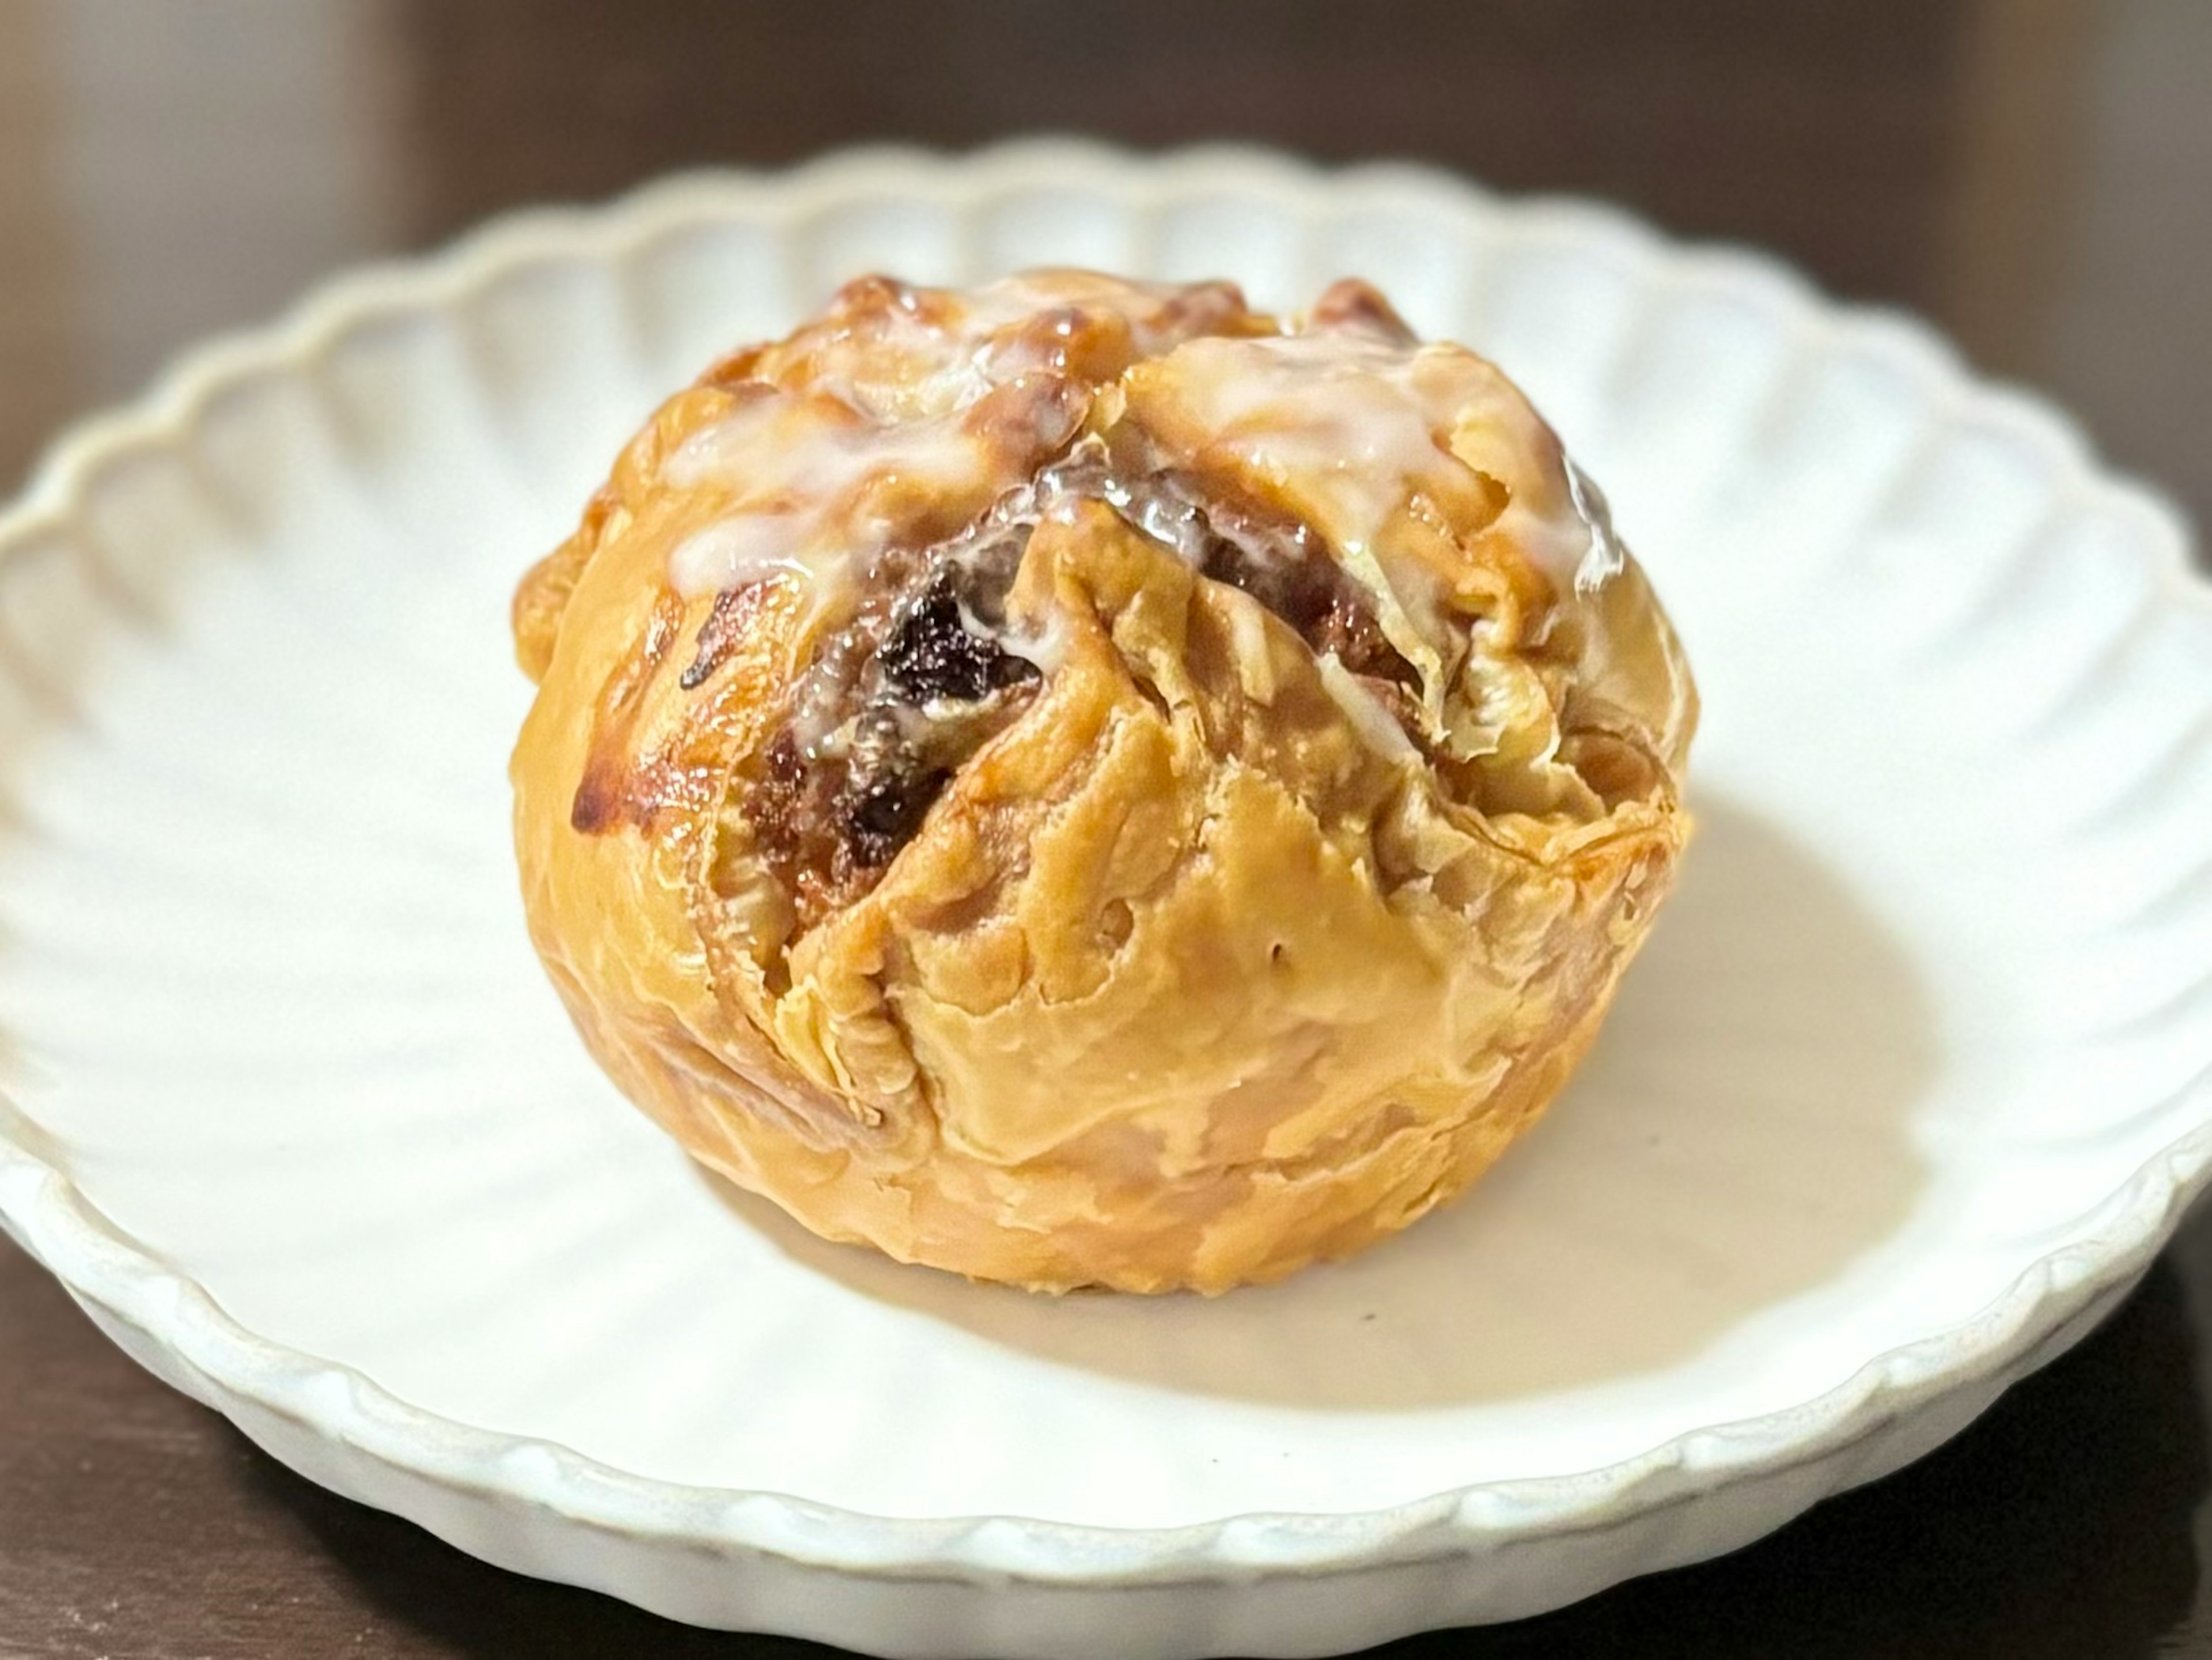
2036	175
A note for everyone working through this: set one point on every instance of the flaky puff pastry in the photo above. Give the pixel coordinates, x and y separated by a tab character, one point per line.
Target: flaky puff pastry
1082	784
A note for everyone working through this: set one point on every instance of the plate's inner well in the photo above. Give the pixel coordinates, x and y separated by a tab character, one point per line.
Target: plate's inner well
269	998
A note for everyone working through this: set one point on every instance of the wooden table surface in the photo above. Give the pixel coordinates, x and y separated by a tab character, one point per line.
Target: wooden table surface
2034	174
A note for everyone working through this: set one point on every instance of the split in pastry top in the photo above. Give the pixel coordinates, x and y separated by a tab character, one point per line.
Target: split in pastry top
1400	504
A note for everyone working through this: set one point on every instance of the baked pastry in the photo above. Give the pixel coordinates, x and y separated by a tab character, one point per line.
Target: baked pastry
1078	782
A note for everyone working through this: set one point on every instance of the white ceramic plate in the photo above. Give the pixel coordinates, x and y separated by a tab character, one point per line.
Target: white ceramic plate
1910	1086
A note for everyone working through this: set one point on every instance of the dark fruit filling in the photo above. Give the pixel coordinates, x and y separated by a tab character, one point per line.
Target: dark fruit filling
908	689
926	670
930	654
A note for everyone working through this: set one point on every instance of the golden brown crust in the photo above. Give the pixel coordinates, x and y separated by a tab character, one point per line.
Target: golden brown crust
1213	957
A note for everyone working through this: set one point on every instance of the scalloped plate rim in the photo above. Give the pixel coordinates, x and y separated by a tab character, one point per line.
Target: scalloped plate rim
101	1265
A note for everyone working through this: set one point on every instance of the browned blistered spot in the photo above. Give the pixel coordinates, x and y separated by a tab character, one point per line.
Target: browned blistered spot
876	292
725	625
618	788
1024	420
651	786
735	370
1358	307
1215	307
1092	344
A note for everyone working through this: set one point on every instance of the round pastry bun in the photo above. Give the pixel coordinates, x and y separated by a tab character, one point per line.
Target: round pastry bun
1080	783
